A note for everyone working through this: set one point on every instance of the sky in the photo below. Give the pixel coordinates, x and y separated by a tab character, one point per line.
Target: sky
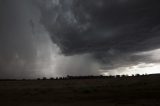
50	38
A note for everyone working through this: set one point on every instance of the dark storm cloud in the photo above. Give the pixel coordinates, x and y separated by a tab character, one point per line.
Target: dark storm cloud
110	30
101	25
91	35
16	49
26	50
18	44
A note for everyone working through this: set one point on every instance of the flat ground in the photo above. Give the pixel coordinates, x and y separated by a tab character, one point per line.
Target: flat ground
127	91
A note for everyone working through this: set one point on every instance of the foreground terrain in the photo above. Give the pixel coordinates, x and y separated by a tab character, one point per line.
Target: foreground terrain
121	91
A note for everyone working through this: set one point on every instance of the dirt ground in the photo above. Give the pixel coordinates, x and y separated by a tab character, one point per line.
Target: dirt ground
126	91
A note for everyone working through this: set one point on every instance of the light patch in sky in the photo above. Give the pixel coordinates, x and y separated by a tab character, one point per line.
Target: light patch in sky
153	66
142	68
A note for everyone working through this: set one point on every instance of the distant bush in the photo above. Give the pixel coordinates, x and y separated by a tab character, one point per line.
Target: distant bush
118	76
38	79
137	75
51	78
44	78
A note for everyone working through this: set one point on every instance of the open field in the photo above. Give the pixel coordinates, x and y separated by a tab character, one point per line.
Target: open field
126	91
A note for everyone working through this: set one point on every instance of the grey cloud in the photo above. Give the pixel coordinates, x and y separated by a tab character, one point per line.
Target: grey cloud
110	32
18	43
85	26
99	26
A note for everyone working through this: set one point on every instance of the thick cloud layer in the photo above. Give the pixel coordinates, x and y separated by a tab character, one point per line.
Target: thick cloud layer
21	40
76	37
109	30
90	26
26	50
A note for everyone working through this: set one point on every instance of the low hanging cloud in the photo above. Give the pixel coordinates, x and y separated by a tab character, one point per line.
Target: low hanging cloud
74	37
26	49
111	31
85	26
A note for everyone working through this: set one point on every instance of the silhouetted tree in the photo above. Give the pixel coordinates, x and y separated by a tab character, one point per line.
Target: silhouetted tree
44	78
51	78
38	79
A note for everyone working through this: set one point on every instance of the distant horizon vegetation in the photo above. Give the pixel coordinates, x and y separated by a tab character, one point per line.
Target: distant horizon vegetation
84	77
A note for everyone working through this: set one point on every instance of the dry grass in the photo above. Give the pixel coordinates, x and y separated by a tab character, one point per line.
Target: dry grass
127	91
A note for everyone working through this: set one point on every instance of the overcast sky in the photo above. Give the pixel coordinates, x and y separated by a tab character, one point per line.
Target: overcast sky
52	38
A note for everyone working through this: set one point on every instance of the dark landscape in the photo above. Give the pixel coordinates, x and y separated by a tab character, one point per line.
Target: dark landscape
82	91
48	49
